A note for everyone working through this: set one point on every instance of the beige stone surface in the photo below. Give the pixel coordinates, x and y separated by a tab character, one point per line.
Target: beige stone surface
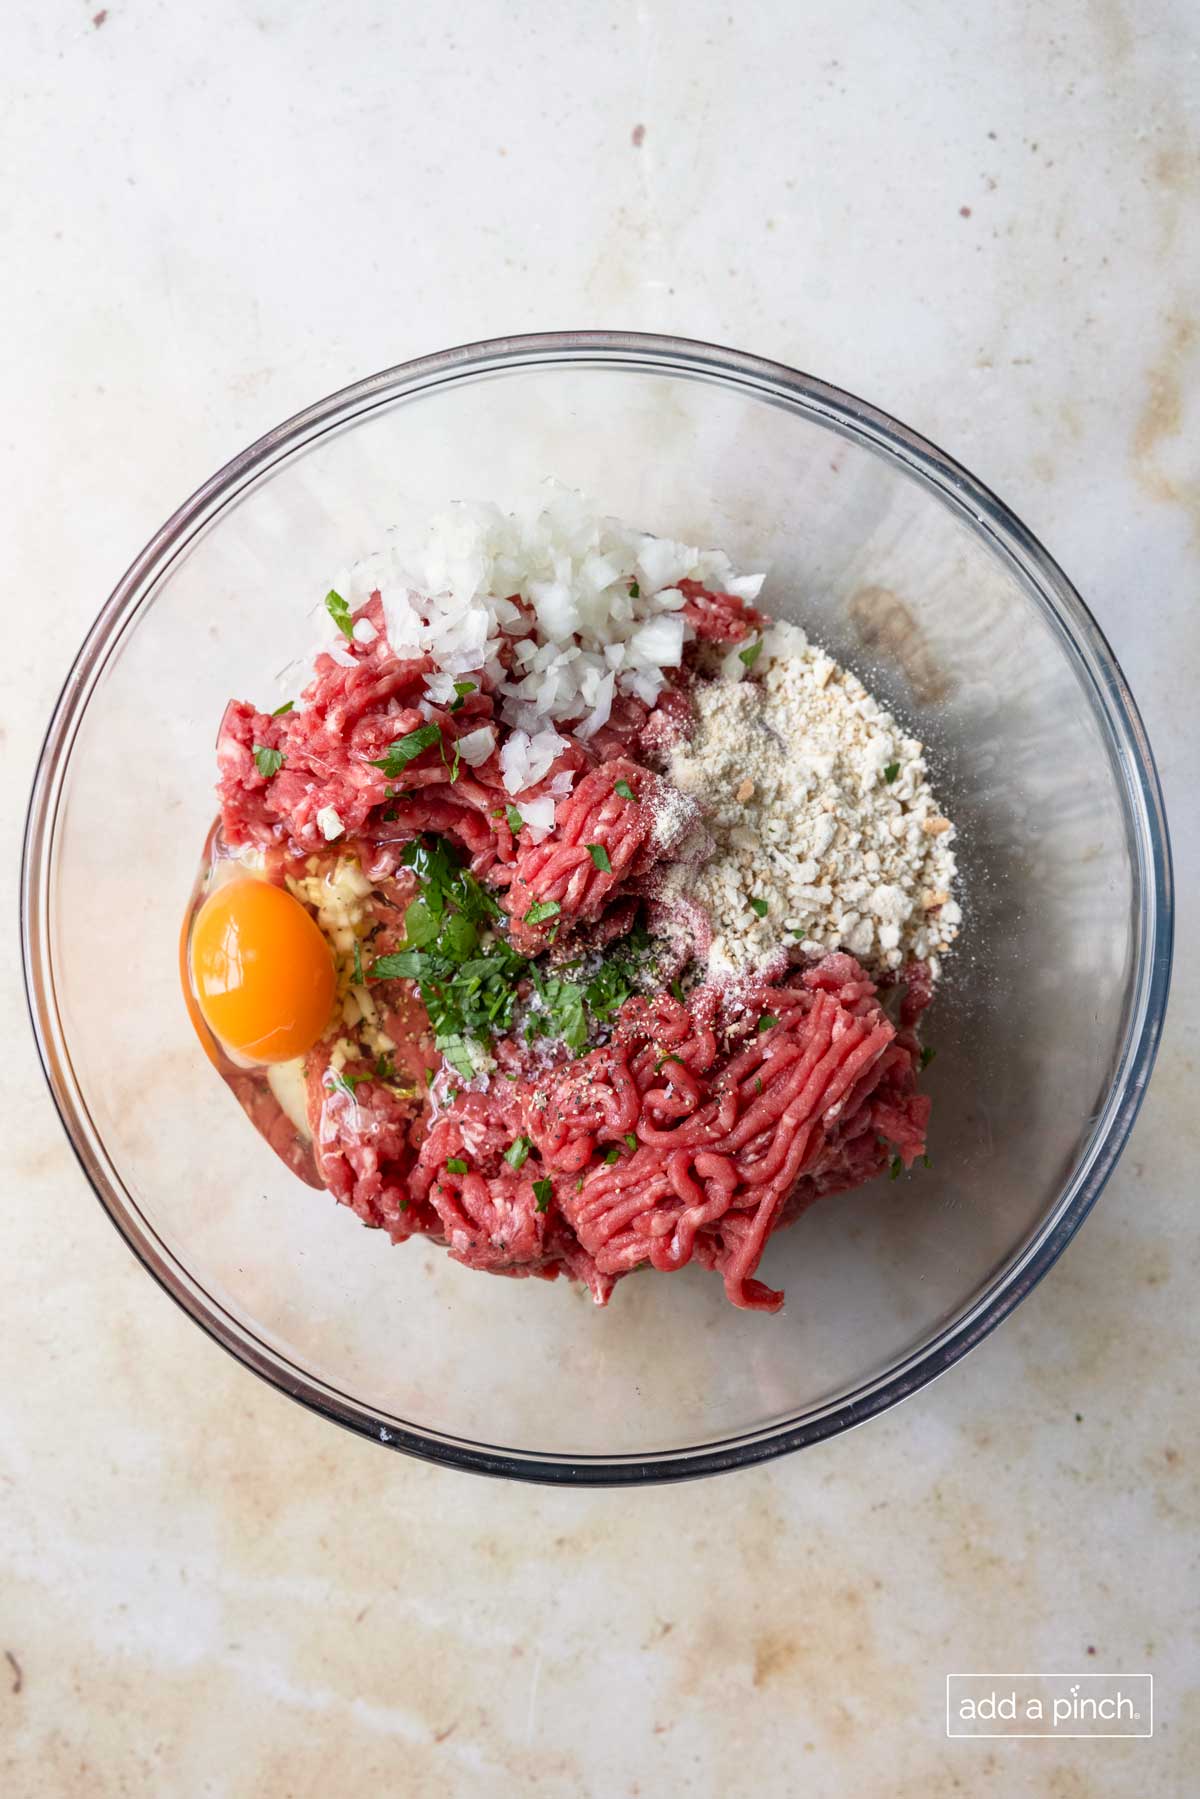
985	219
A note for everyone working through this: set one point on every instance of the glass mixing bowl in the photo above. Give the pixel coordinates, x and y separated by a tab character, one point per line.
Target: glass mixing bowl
1045	1028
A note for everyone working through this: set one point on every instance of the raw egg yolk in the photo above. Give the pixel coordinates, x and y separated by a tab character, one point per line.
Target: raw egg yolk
262	971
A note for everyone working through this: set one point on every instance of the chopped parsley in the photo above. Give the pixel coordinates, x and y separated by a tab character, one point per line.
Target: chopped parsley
541	911
344	1083
513	819
280	710
925	1162
625	790
561	1008
751	653
458	1054
542	1191
384	1069
620	975
766	1021
599	856
890	772
669	1057
456	1165
468	987
927	1055
517	1152
339	612
635	592
896	1169
268	762
611	1155
631	1139
461	690
356	979
760	906
406	749
758	1083
677	989
472	980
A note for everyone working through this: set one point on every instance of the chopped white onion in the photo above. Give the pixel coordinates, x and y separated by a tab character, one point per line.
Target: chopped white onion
330	822
538	815
580	635
599	715
440	689
476	746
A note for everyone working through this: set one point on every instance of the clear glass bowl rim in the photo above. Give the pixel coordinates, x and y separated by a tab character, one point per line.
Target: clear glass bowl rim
849	416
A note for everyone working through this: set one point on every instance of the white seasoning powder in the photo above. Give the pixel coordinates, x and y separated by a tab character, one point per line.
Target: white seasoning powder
814	845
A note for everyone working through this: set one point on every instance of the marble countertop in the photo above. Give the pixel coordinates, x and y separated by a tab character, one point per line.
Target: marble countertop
988	221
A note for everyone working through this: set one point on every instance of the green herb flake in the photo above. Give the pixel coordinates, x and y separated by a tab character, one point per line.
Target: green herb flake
563	1003
635	592
611	1155
457	1054
927	1055
751	653
625	790
339	612
599	856
542	1192
344	1083
890	772
456	1165
280	710
896	1169
579	1185
356	979
925	1162
677	990
514	820
517	1152
544	909
760	906
268	762
766	1021
758	1083
461	690
669	1057
631	1139
401	965
406	749
384	1070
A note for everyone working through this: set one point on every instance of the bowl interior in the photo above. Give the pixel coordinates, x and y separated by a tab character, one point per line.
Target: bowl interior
1032	1026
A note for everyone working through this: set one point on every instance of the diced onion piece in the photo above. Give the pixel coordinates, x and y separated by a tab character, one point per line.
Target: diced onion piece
330	822
440	689
476	746
539	816
659	644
